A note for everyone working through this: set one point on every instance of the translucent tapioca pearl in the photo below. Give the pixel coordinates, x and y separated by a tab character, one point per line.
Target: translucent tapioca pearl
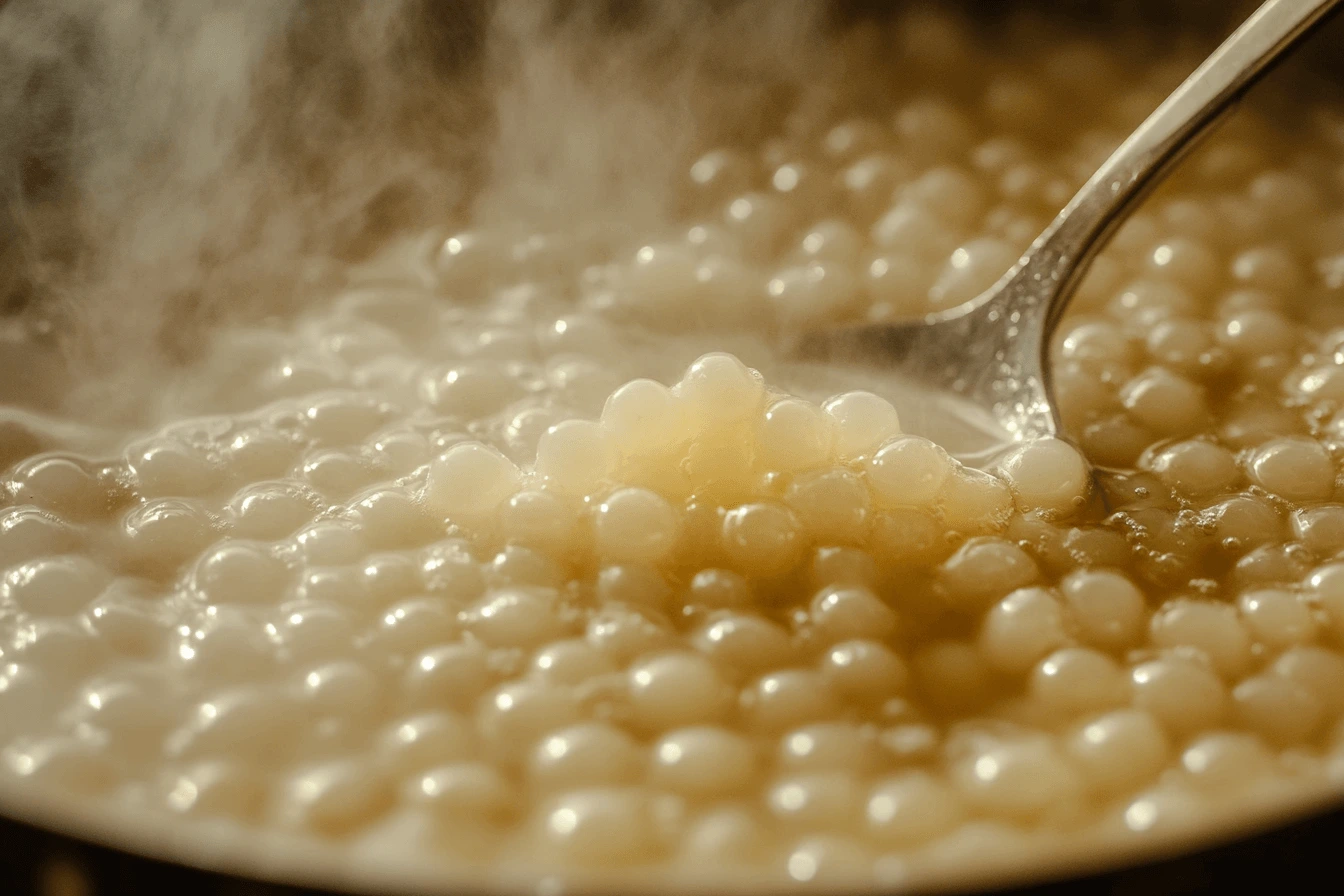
470	479
514	716
911	808
68	763
729	836
252	724
703	762
1098	345
585	755
259	454
1214	629
1021	628
623	632
419	742
1021	778
794	435
1196	467
841	565
970	270
129	709
391	517
1048	475
645	418
240	572
829	746
1273	268
1279	709
1183	694
1284	197
1252	423
718	390
908	470
788	699
601	827
334	798
985	569
804	185
342	418
63	485
973	501
635	525
471	389
451	674
636	585
522	617
336	474
1165	403
897	285
711	240
933	129
166	468
829	800
1244	521
1115	440
311	632
1108	610
475	792
831	506
841	613
863	421
409	626
219	788
1186	262
719	174
1224	761
27	533
762	539
1185	346
954	195
814	293
53	586
718	589
127	623
1119	751
864	670
271	510
759	222
951	676
1277	617
1320	528
223	643
1323	383
660	282
519	566
673	690
1295	468
1142	303
865	186
571	662
913	231
1254	333
1078	680
830	240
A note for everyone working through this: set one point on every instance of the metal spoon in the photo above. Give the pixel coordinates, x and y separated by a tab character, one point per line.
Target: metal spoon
977	377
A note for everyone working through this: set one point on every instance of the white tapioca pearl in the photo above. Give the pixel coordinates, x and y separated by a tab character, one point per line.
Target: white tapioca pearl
330	543
166	468
1326	585
513	717
1017	778
829	860
1213	628
127	622
1296	468
515	617
540	519
782	700
912	807
419	742
452	674
1279	709
909	229
1256	333
1277	617
660	281
829	746
762	539
840	565
831	240
718	589
703	762
1196	468
239	572
59	484
623	632
1164	809
744	641
795	435
1183	694
270	510
412	625
851	612
215	788
677	689
342	419
816	800
336	797
1119	751
1269	267
1106	606
863	421
635	525
576	457
970	270
469	479
519	566
473	792
865	671
27	533
312	632
1223	760
250	724
1186	262
68	763
1048	475
1318	670
1078	680
601	827
1021	628
718	390
984	570
391	517
1164	402
813	293
973	501
389	576
449	570
53	586
832	505
645	417
908	470
585	755
897	283
720	173
759	222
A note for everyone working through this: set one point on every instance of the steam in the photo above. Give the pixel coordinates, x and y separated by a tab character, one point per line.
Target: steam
168	166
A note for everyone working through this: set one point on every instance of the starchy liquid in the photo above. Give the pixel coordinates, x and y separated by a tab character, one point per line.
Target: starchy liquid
507	563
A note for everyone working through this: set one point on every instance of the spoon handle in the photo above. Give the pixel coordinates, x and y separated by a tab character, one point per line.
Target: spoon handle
1062	253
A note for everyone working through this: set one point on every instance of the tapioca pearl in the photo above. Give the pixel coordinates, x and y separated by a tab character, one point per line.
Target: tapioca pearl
1183	694
311	632
336	586
852	138
63	762
794	435
412	625
514	716
718	389
571	662
128	709
1166	809
523	617
897	284
342	418
1021	628
864	670
1097	344
128	624
1321	528
1119	751
1078	680
1224	761
1215	629
720	173
829	860
805	186
711	240
1271	566
391	517
470	389
843	612
163	468
601	827
974	501
729	836
831	240
787	699
908	470
1191	264
970	270
1142	303
240	572
540	519
1279	709
1325	586
933	129
1047	475
1115	440
224	642
1256	333
1244	521
1196	467
831	505
864	187
258	454
759	222
762	539
219	788
829	746
1165	403
1323	383
635	525
470	479
463	792
63	648
1276	617
1295	468
1272	268
954	195
844	565
519	566
1184	346
271	510
644	417
334	798
660	281
27	533
1317	670
863	421
718	589
448	570
985	569
1196	218
453	674
636	585
1017	779
673	690
336	474
912	807
915	232
744	642
814	293
60	484
576	457
420	742
1108	610
828	800
1284	197
623	632
585	755
53	586
251	725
